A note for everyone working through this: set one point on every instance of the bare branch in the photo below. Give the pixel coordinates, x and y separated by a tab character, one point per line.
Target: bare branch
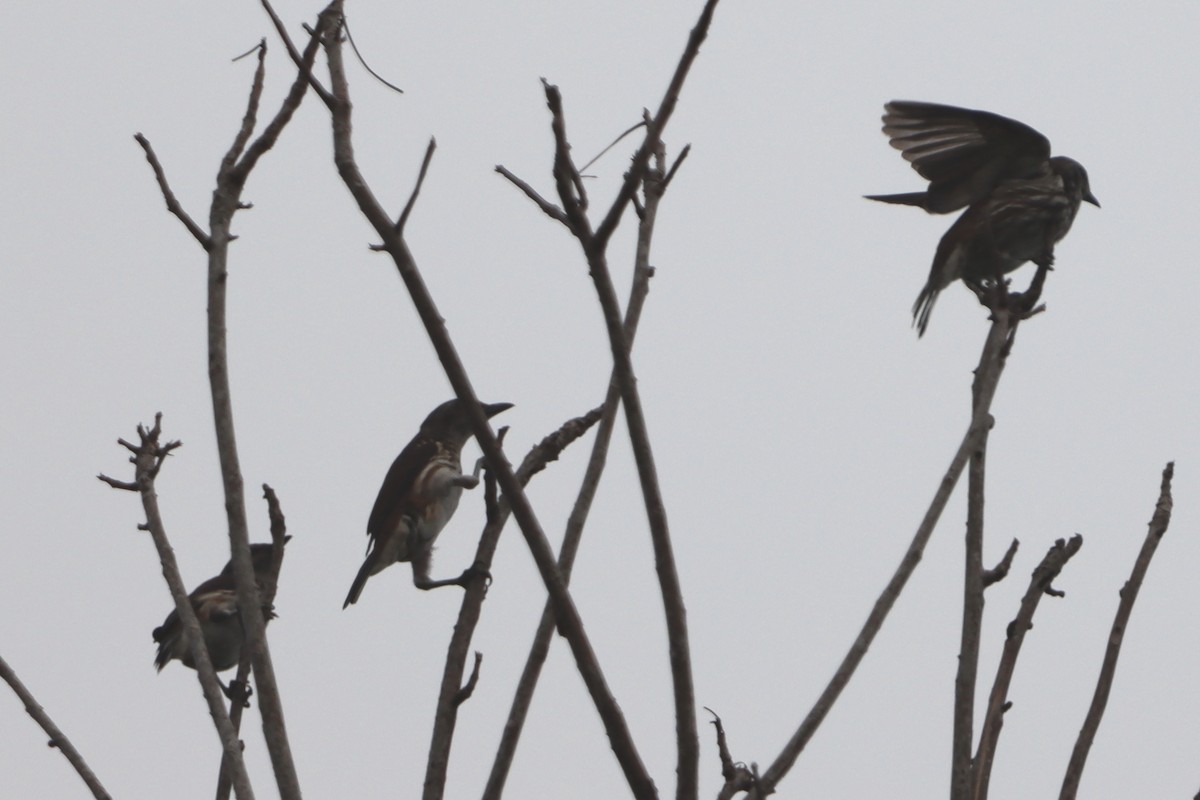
633	178
468	689
574	203
298	59
148	459
737	777
128	486
247	128
363	61
291	102
498	511
231	179
1000	571
548	208
268	583
1043	576
569	619
58	739
683	154
412	198
571	191
972	618
523	696
614	143
991	366
173	204
1129	592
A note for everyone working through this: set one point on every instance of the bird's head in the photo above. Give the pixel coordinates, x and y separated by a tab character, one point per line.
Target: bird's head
449	421
1074	178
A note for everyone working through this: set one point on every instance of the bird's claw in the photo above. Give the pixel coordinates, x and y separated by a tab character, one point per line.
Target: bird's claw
474	572
238	692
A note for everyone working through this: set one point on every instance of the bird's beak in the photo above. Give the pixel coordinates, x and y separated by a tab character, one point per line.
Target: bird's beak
492	409
1091	198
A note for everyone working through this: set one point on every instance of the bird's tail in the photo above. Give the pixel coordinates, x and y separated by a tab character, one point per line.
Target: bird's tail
166	635
360	580
918	199
923	306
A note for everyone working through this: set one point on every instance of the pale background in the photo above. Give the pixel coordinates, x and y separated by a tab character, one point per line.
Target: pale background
800	426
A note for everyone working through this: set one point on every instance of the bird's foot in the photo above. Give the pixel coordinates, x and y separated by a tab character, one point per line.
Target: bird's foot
1025	304
473	573
991	292
238	692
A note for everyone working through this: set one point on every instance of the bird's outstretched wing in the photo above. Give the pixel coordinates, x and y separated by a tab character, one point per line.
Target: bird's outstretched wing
963	153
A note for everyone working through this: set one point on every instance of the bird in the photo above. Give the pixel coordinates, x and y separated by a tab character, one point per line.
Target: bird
216	606
419	495
1019	200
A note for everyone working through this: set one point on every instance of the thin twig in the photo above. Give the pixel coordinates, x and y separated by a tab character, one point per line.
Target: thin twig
58	739
412	198
523	696
666	108
991	366
998	703
248	119
298	59
1000	571
613	144
363	61
551	210
738	778
468	689
1108	670
683	154
173	204
261	45
237	174
572	194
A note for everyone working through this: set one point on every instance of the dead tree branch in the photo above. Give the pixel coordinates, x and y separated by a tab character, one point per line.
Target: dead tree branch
1129	592
58	739
738	777
450	695
1017	306
148	456
238	162
395	245
654	188
269	584
173	204
574	203
1040	584
987	377
1000	571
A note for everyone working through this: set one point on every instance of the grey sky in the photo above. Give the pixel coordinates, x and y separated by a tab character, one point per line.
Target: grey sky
800	427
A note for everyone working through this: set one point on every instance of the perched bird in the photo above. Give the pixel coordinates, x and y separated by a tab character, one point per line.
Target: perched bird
216	606
419	495
1020	202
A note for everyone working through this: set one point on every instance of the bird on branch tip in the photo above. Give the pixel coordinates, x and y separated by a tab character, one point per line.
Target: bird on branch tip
1019	200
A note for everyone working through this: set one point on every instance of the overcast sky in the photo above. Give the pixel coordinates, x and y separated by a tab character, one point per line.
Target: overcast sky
800	426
